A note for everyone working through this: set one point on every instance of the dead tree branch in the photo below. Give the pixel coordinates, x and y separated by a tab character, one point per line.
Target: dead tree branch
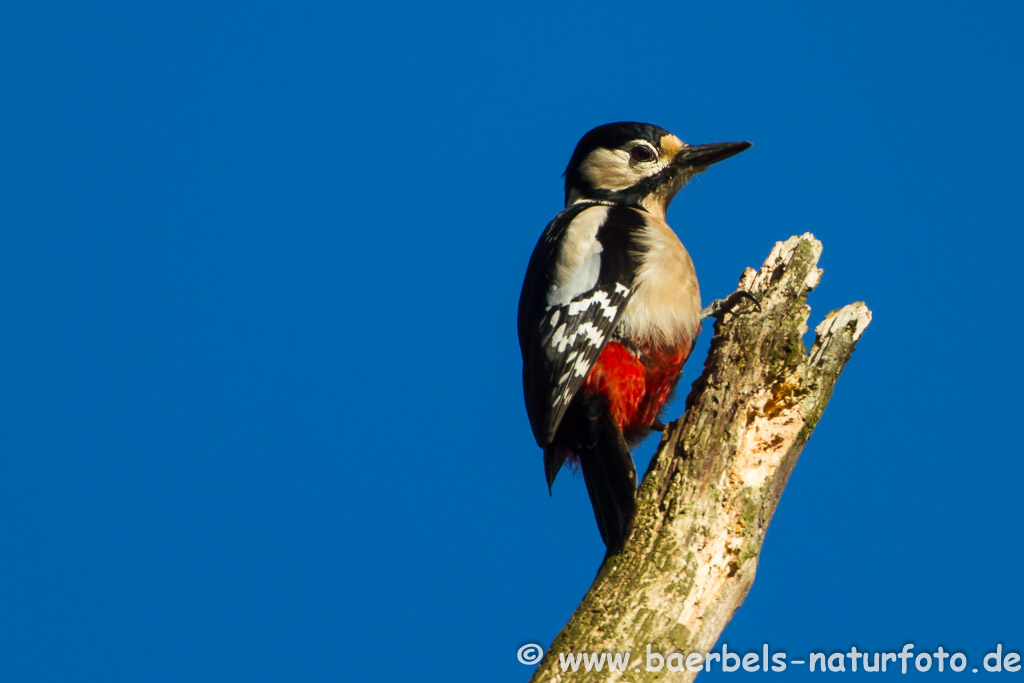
718	474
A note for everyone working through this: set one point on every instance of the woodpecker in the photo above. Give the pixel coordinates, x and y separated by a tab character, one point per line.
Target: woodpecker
610	309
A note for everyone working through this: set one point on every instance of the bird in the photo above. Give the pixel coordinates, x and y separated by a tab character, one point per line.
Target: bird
610	309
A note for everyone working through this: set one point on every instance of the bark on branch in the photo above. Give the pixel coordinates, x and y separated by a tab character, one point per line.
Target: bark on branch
715	481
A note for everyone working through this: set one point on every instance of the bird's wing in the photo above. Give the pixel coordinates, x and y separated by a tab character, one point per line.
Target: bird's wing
579	280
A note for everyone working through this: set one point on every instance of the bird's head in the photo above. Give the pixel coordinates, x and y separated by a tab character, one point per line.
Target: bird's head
637	163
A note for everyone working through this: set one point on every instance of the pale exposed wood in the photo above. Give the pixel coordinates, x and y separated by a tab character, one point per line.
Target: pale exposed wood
715	481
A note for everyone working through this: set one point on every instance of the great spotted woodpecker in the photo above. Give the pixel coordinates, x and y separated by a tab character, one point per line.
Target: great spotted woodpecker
610	310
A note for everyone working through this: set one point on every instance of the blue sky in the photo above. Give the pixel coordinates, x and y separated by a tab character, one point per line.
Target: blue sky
261	411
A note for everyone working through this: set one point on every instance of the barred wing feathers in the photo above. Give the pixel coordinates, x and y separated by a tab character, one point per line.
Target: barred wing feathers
577	286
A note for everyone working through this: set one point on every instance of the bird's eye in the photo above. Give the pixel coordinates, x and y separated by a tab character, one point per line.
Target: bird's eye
642	153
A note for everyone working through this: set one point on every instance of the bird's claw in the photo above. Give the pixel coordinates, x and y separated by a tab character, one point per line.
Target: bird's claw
719	307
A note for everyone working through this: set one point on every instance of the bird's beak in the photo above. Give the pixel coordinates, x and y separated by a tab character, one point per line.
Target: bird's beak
699	157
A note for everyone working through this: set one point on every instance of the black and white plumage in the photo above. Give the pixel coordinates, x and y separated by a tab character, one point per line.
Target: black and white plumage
609	309
590	250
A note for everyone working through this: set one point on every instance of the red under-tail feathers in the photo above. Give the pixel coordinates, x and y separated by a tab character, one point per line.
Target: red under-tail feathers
619	402
635	387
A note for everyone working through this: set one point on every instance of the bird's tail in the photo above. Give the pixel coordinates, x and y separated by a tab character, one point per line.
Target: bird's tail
607	468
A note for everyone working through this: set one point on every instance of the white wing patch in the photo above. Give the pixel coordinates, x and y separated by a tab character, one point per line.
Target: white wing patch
579	261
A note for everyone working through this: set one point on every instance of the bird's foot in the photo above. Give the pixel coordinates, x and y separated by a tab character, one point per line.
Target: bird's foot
658	426
719	307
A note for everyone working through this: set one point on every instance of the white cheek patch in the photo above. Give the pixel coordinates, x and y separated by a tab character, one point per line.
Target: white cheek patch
610	169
